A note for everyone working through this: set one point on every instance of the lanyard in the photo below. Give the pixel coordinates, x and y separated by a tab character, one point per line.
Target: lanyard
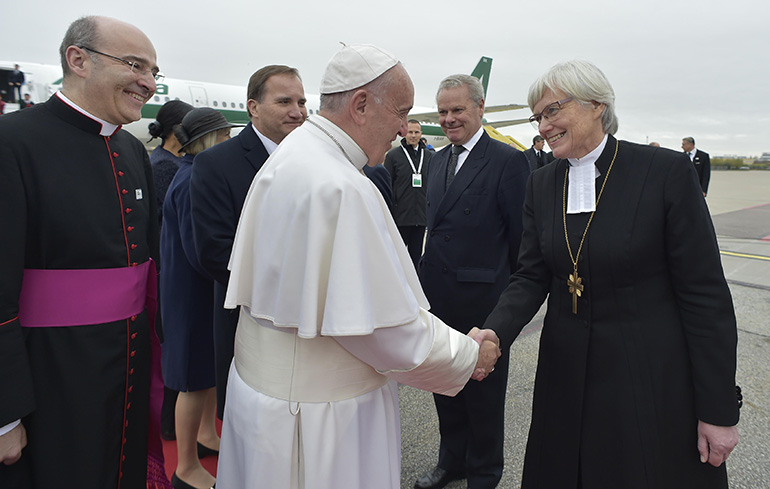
411	163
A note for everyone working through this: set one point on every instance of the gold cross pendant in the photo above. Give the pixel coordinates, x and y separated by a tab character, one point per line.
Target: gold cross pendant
575	285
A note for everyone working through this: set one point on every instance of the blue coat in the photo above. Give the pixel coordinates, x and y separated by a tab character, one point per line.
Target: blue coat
187	294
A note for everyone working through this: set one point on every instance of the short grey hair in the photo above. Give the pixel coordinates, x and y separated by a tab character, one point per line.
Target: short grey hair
82	32
475	89
689	140
582	81
336	102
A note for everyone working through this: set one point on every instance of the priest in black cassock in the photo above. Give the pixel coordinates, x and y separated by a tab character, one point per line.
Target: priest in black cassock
635	385
79	217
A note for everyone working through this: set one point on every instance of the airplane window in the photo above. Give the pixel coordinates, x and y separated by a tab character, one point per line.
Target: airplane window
167	99
232	105
224	104
240	105
215	103
157	99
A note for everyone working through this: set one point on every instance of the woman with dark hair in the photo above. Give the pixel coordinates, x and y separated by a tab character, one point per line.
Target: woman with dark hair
635	384
187	296
165	158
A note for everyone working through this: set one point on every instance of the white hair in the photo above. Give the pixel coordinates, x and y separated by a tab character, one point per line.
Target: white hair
582	81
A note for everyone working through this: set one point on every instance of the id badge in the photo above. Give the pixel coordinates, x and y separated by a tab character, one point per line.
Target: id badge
416	180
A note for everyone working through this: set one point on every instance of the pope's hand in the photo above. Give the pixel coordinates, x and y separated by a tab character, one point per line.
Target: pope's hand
489	352
11	445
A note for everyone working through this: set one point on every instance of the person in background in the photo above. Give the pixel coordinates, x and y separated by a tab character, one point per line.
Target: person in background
635	384
407	164
26	102
166	158
535	155
15	81
700	161
187	295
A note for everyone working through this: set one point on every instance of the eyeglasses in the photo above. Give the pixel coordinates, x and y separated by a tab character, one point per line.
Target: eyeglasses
550	113
135	66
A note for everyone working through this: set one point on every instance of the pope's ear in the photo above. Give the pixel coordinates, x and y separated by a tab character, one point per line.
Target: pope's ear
358	105
78	60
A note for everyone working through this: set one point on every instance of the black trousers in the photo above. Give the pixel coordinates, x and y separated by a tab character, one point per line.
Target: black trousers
413	237
472	428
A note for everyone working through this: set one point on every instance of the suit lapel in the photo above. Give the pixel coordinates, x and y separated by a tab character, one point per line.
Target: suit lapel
468	171
254	150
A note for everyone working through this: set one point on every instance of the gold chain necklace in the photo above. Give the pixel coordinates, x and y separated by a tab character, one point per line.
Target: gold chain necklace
575	283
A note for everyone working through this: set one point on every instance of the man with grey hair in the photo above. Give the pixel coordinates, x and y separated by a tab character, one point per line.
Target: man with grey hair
474	201
700	160
77	281
331	310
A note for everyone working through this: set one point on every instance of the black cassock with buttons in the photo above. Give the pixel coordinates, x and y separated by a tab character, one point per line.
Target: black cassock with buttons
71	198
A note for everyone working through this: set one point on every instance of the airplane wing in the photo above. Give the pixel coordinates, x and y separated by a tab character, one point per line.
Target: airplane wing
509	122
432	117
503	108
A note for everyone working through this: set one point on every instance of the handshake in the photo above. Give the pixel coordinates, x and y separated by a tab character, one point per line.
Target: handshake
489	352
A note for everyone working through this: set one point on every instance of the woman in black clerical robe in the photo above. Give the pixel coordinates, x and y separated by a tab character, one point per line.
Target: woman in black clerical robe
635	385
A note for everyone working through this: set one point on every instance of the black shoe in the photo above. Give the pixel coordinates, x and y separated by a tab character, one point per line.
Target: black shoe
435	479
204	451
178	483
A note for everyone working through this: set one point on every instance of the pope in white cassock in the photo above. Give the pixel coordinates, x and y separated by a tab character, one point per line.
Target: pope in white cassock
332	313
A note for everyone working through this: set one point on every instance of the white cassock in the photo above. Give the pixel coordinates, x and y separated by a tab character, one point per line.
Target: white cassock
332	316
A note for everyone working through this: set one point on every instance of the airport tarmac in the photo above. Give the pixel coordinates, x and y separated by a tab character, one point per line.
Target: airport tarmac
739	202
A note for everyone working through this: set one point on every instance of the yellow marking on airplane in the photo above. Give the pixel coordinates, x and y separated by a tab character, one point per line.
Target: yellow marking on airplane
745	255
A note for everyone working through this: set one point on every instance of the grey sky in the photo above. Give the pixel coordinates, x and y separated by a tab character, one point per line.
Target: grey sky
679	68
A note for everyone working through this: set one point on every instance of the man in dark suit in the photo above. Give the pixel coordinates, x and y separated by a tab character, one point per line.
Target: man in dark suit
700	160
220	180
475	191
536	157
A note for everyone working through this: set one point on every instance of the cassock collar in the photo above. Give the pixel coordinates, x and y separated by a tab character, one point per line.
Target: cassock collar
349	147
268	143
105	129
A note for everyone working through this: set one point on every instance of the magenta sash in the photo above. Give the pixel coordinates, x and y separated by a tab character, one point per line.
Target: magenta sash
60	298
54	298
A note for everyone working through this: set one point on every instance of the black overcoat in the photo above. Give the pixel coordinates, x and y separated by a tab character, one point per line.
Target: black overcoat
621	384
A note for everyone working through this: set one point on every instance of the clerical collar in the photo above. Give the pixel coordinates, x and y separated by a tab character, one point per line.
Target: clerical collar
581	196
347	145
108	129
268	143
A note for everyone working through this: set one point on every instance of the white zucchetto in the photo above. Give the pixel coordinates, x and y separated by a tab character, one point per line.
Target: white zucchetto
355	66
